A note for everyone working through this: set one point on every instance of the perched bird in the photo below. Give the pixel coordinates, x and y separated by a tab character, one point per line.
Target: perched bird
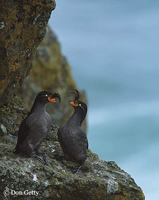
72	138
35	126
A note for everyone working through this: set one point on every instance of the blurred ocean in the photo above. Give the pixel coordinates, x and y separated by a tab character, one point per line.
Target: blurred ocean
113	47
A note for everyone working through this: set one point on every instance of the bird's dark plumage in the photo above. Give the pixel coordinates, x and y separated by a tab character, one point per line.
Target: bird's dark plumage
35	126
72	138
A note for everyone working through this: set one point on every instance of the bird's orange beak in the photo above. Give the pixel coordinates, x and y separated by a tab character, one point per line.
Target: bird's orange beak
73	103
52	100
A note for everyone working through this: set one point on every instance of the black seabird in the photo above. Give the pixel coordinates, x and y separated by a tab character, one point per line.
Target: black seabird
35	126
72	138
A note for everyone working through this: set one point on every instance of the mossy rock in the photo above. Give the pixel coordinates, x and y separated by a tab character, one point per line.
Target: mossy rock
22	28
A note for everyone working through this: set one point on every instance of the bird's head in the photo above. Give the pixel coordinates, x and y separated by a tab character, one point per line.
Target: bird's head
76	103
47	97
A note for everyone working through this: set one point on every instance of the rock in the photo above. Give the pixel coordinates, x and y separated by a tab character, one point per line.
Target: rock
49	61
12	114
3	129
22	28
97	179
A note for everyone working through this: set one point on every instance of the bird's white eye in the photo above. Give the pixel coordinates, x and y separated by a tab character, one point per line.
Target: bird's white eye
46	95
80	105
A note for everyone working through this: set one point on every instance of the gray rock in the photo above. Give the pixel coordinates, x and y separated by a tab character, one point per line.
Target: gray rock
97	179
3	129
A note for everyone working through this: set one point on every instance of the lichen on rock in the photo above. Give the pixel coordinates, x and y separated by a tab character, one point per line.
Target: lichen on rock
97	180
22	27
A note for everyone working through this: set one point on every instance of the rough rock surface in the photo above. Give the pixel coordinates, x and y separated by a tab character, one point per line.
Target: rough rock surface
22	27
97	179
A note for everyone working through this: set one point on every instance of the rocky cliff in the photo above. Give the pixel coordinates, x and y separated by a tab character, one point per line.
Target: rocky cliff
22	28
97	180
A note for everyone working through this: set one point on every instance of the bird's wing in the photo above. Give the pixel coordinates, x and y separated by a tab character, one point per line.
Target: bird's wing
22	133
82	138
78	137
68	137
